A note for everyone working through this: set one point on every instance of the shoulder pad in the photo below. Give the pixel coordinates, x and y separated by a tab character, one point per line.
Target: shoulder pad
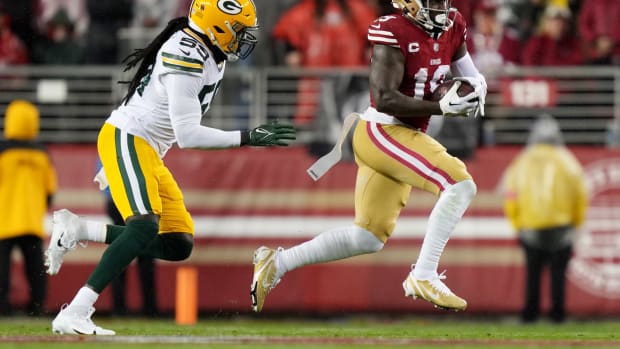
460	26
380	31
184	53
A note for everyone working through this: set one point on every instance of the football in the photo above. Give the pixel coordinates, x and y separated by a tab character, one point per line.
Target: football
441	90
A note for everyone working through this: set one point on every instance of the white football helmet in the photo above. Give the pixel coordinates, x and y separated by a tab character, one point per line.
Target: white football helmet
432	15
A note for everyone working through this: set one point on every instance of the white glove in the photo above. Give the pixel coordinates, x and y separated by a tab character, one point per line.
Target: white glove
453	105
480	86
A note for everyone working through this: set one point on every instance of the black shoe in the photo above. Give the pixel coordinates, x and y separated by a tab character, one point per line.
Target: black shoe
35	310
557	317
529	317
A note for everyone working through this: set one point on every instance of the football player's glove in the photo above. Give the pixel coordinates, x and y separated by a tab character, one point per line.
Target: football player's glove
480	86
269	134
453	105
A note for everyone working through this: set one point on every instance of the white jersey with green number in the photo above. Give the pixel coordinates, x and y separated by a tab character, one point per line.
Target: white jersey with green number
171	99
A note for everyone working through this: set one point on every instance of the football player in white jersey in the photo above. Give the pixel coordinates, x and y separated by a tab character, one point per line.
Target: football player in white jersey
412	53
178	74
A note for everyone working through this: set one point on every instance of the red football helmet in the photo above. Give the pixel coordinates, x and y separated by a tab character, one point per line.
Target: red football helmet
432	15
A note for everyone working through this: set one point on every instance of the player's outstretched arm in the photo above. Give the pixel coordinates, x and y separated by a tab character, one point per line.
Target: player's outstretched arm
185	117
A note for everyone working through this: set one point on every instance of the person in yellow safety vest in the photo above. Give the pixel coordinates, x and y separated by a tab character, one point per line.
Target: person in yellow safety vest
545	202
27	183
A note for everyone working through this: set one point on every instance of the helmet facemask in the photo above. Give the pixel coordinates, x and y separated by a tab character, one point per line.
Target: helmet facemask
242	41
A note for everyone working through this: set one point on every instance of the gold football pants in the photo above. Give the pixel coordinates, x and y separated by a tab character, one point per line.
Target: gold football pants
139	181
391	160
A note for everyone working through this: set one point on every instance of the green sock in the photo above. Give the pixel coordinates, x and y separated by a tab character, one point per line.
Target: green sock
112	232
124	248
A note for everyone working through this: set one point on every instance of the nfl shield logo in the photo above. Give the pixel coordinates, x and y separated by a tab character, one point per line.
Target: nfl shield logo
436	47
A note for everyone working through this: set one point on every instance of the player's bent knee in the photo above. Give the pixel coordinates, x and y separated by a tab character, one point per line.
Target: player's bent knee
467	189
144	228
365	241
179	245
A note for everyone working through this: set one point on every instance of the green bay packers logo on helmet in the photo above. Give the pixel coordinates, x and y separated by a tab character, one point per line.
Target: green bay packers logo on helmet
232	7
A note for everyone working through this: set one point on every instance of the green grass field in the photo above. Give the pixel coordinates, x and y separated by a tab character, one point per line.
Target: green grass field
345	332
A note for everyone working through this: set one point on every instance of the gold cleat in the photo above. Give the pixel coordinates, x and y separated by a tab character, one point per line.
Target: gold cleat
434	291
264	279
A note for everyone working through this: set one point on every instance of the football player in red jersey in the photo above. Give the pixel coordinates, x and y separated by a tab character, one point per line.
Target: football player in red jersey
412	53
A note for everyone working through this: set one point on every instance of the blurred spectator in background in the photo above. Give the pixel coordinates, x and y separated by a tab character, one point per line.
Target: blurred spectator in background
556	44
490	44
146	272
599	27
383	7
323	33
106	18
149	17
334	35
27	183
524	16
12	49
75	11
59	45
154	13
182	7
270	12
466	8
545	201
22	18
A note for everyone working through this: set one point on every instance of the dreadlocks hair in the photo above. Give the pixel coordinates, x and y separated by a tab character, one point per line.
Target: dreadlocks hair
148	55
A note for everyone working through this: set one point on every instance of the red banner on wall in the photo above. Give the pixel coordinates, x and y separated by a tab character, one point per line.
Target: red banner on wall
243	198
529	93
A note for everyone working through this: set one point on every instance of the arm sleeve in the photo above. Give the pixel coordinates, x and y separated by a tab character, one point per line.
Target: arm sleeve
185	114
464	66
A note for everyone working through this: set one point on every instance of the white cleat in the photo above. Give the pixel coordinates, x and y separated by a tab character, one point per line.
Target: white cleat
65	227
77	321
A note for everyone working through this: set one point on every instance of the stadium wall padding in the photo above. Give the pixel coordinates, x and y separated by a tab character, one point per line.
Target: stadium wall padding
244	198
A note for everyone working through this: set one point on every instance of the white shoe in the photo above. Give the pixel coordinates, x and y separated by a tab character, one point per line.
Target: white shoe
264	279
65	227
434	291
77	321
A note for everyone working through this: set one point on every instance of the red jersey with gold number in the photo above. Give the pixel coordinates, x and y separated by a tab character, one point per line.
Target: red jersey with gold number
427	60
